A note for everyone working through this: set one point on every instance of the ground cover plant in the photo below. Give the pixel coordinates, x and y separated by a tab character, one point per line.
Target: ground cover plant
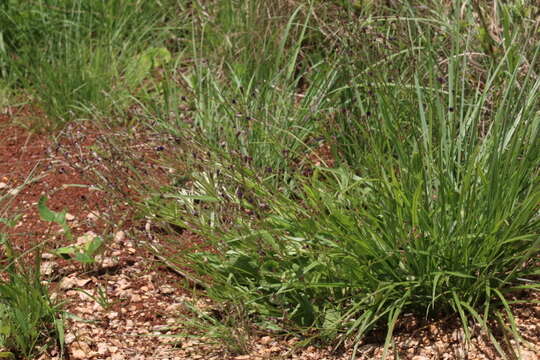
29	319
432	207
346	163
76	59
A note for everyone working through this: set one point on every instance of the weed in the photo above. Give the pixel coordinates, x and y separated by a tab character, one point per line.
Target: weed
432	209
28	317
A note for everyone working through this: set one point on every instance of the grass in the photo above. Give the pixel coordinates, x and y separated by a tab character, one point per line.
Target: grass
71	58
426	201
30	321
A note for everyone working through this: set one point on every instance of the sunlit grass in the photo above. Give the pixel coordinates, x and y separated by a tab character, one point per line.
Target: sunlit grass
429	112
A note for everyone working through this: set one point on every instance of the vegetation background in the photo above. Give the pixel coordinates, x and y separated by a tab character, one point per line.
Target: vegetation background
346	162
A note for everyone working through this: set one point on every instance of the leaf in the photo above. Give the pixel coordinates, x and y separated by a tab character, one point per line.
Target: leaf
304	313
49	215
332	319
5	329
84	258
92	246
65	252
144	63
11	222
59	324
245	266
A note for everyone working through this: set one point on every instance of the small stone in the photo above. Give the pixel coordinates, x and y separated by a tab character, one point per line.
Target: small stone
47	267
86	238
527	355
70	217
109	262
112	315
47	256
69	338
93	216
79	354
117	356
166	289
3	185
119	236
265	340
14	192
102	348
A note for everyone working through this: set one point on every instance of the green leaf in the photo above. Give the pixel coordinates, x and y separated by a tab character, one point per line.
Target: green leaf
92	246
49	215
65	252
144	63
5	329
59	324
84	258
245	266
332	319
304	313
11	222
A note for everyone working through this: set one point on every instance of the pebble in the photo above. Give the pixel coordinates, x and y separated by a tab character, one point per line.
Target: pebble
69	338
166	289
109	262
3	185
79	354
70	217
47	268
528	355
119	236
117	356
93	216
86	238
47	256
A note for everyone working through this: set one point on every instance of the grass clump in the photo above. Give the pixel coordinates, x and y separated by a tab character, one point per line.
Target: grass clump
28	318
432	206
432	229
30	321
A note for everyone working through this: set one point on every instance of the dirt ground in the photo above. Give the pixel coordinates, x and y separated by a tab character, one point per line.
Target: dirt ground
129	305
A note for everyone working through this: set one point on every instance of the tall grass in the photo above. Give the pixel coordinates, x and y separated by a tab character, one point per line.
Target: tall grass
255	93
71	58
433	207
